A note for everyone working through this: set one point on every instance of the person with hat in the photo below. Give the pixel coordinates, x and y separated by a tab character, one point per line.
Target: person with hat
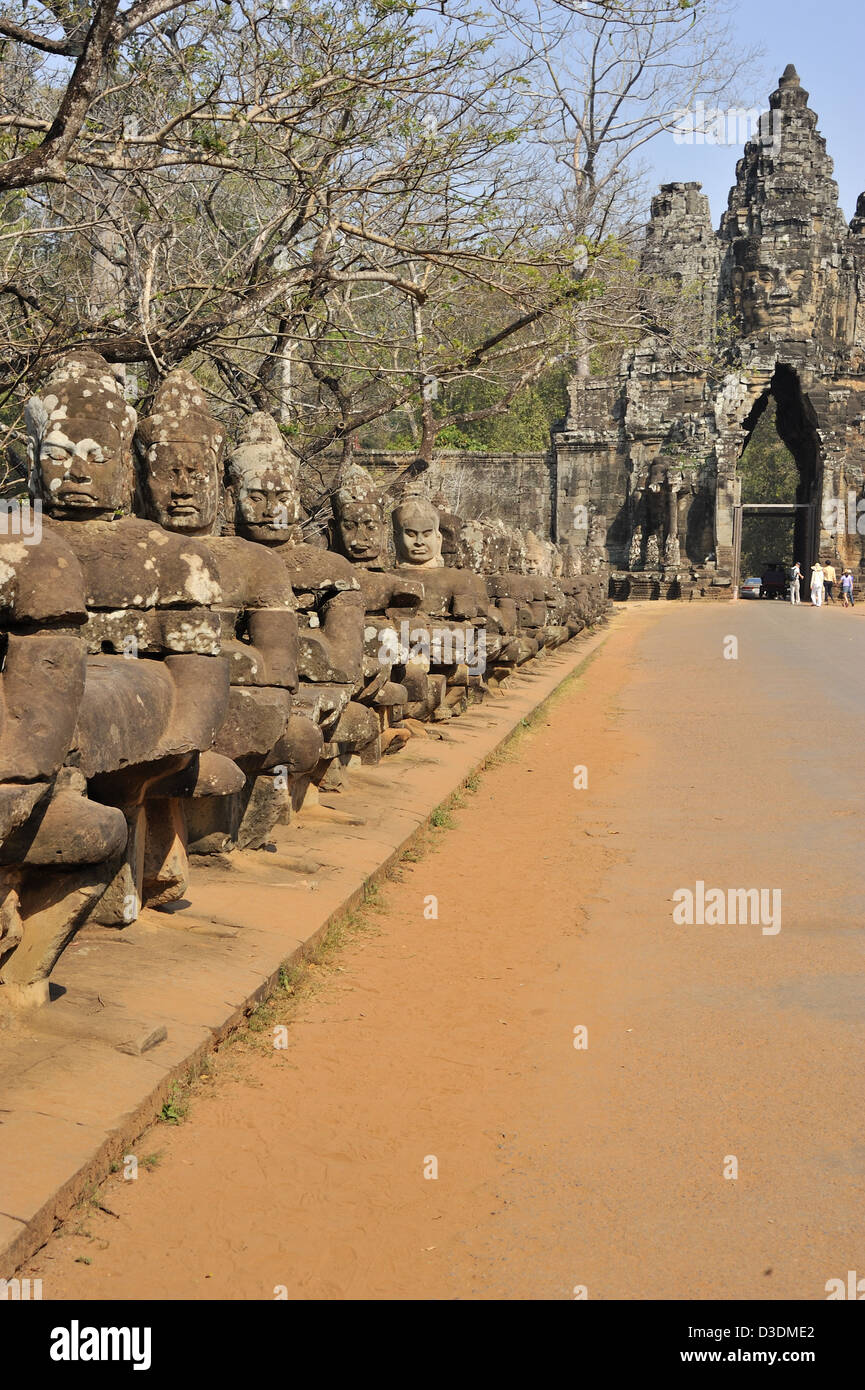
817	585
847	589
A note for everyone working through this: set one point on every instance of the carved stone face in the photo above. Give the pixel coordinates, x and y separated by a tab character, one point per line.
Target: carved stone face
417	536
79	433
181	486
536	557
267	498
82	469
476	542
179	447
360	530
772	296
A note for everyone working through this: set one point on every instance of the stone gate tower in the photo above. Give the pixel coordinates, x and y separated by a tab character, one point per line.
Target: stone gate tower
773	304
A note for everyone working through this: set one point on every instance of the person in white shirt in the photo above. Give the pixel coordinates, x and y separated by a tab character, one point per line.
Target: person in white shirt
817	585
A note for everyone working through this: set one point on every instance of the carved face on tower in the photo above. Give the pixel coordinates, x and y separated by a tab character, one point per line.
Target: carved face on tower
179	448
80	441
263	475
416	533
773	288
359	527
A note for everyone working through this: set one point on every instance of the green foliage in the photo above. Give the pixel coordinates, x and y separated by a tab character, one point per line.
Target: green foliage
767	468
174	1110
523	426
769	474
452	437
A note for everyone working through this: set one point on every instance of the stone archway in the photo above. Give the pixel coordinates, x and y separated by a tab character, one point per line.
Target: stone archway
797	427
776	307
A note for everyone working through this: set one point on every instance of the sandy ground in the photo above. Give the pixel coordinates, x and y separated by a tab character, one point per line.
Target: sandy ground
452	1039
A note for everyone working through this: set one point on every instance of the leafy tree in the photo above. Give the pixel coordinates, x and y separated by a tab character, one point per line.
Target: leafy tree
342	211
768	470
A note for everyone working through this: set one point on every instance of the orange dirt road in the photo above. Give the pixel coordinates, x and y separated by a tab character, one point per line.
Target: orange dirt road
710	1048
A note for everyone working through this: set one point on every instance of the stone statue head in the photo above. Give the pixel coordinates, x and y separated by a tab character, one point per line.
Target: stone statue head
262	471
80	440
451	527
572	563
536	560
516	551
416	533
179	449
474	544
358	517
773	288
485	552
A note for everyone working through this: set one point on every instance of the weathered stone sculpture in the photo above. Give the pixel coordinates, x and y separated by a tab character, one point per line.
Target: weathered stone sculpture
359	525
418	541
417	534
453	552
658	533
394	685
537	557
263	476
154	677
489	549
456	600
58	850
156	688
180	447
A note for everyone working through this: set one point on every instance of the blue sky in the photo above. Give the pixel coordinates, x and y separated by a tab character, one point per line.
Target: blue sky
826	42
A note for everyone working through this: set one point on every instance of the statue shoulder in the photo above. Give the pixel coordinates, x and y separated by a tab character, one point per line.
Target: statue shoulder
250	574
133	563
40	583
310	567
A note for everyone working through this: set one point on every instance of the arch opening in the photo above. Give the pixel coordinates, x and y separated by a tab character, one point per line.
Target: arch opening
780	476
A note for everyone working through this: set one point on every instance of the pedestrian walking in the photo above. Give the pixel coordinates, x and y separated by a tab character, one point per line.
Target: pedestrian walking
795	580
817	585
847	589
829	578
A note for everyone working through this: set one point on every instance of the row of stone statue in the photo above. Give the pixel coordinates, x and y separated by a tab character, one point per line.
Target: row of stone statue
182	669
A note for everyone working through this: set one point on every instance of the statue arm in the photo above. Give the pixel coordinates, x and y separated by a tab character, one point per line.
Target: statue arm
273	633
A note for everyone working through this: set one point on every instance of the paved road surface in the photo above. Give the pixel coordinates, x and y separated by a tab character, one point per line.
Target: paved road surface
710	1047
